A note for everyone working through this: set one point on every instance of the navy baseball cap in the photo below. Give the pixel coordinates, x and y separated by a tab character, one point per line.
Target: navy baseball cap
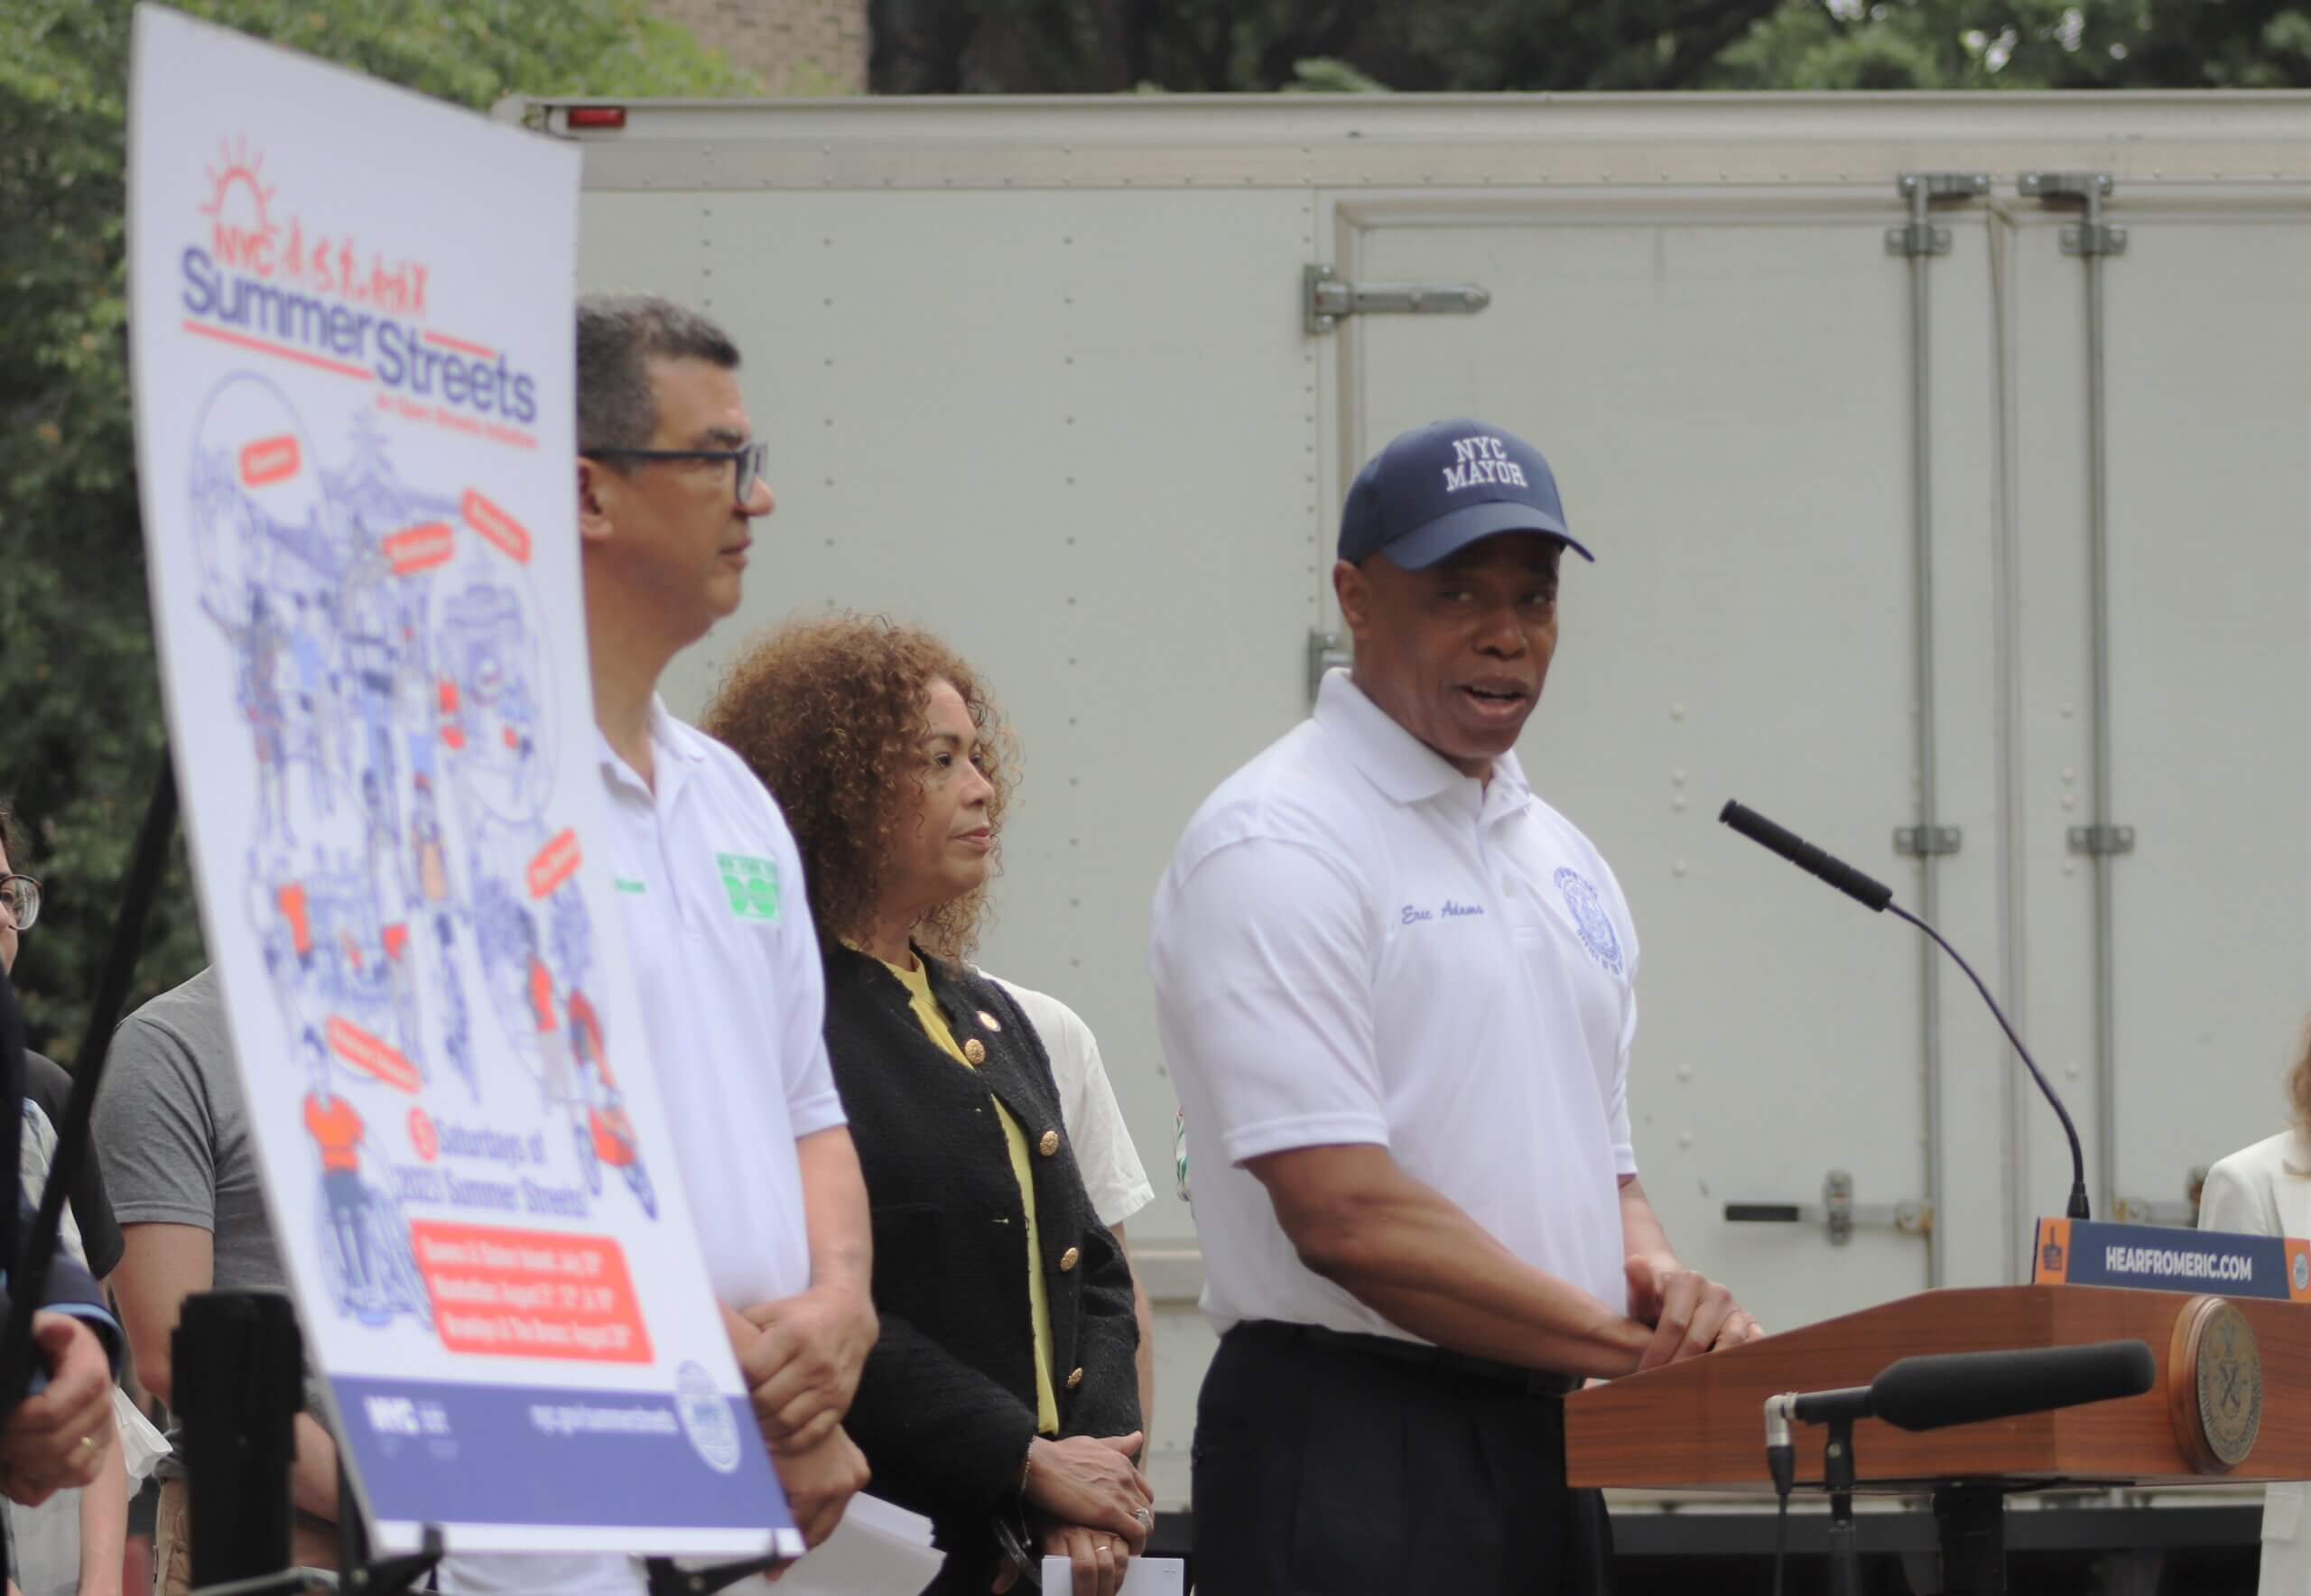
1438	489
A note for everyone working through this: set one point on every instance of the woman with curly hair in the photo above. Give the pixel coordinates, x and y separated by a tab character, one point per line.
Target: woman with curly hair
2265	1190
1001	1399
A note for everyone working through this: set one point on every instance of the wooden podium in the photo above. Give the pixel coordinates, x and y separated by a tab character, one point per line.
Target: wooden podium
2220	1388
1700	1424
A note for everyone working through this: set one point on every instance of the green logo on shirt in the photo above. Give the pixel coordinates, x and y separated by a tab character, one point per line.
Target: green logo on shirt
752	885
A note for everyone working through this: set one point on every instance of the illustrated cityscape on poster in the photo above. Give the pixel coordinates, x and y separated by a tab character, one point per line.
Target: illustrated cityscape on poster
404	874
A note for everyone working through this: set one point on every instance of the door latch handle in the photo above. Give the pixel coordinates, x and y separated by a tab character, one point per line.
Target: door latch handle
1837	1212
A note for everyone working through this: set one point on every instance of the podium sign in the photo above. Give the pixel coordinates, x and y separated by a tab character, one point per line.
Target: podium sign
353	339
2157	1257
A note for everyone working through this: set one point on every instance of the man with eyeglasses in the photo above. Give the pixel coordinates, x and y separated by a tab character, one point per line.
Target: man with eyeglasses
717	929
47	1082
63	1436
78	1537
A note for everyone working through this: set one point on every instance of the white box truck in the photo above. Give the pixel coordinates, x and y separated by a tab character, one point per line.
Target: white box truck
1948	463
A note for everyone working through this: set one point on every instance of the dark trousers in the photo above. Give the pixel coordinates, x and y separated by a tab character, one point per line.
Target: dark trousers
1322	1469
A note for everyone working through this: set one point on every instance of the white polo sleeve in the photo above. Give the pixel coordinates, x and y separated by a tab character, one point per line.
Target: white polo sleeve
811	1101
1617	1100
1265	968
1113	1176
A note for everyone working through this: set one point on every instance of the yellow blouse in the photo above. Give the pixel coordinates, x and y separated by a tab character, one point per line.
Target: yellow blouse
927	1014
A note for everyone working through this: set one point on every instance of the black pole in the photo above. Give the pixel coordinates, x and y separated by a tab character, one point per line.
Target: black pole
1838	1477
239	1364
28	1282
1970	1519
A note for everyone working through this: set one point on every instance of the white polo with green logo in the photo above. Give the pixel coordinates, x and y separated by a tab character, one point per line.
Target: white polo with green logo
719	930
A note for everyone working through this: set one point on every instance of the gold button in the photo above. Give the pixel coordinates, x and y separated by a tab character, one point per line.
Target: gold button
1068	1260
1049	1144
976	1051
1074	1378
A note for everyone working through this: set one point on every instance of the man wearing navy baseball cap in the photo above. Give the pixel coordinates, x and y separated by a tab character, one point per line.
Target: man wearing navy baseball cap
1397	992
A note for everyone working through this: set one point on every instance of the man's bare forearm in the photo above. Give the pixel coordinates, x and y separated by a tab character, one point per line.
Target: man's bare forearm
103	1528
1642	1236
834	1211
312	1483
1413	1256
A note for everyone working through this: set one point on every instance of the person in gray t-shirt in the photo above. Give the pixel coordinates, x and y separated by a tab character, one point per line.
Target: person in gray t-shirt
172	1133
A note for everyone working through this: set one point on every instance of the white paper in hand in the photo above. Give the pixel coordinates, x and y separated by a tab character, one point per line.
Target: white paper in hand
1146	1576
877	1550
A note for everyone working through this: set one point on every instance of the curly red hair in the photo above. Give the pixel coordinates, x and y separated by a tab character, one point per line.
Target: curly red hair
830	714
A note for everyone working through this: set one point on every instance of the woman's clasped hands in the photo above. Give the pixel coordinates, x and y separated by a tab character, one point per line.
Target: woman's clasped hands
1091	1505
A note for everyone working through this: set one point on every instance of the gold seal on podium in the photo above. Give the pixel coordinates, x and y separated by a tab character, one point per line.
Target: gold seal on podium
2214	1384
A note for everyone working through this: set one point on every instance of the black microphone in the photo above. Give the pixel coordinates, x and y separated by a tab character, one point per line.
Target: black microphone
1877	895
1936	1390
1826	1407
1871	895
1939	1389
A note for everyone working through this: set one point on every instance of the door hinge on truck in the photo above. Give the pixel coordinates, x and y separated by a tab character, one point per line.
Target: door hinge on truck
1922	190
1324	299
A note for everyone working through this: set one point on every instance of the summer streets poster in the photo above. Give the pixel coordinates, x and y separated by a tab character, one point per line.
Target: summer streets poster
352	314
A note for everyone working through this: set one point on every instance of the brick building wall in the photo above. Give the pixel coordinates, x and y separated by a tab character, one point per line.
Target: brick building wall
792	46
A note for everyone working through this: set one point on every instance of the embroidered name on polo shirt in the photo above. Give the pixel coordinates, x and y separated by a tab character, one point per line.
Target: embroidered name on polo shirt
1412	913
751	885
628	884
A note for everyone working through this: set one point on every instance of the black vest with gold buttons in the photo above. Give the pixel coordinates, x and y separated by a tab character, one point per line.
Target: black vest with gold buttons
947	1403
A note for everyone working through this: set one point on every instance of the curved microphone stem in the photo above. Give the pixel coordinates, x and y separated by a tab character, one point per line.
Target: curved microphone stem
2078	1209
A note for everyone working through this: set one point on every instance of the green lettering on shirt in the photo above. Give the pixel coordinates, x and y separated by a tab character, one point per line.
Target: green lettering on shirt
751	885
628	884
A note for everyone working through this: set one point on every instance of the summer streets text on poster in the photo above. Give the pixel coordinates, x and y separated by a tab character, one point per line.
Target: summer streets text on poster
353	357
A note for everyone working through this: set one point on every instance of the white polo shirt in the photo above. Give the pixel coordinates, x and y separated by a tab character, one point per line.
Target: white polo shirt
726	962
1356	943
718	934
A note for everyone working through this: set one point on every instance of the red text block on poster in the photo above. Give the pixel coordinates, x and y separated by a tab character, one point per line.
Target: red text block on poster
420	548
530	1293
498	527
555	864
269	460
373	1055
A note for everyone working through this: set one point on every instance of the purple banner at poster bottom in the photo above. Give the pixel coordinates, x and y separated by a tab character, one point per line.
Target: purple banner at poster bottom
438	1452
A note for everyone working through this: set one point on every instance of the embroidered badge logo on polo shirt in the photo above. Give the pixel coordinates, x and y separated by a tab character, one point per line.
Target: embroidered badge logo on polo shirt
751	885
1590	919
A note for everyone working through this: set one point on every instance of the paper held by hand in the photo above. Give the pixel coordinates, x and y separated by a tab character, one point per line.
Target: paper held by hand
877	1549
1146	1576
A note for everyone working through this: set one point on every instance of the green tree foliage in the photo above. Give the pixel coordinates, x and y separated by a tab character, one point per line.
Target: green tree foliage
1039	46
80	727
1845	44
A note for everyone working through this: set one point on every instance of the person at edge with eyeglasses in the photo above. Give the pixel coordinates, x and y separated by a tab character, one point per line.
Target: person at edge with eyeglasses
64	1436
83	1553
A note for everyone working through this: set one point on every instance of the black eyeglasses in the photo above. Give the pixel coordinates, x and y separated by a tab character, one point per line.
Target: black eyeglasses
748	461
20	894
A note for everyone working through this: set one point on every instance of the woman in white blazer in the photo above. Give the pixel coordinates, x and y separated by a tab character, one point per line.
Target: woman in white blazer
2265	1190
